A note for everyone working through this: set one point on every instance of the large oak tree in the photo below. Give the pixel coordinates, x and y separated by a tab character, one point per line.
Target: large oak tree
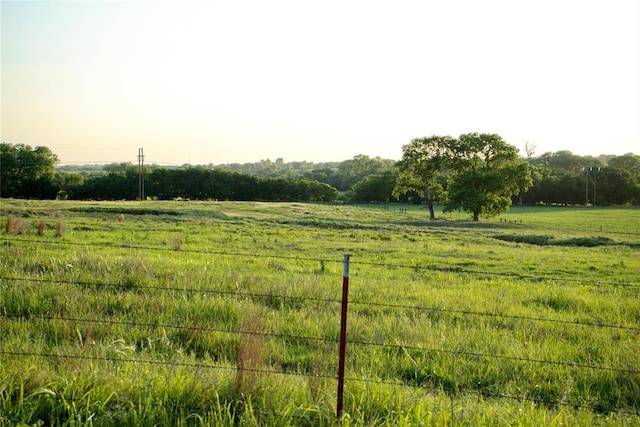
423	160
486	173
483	172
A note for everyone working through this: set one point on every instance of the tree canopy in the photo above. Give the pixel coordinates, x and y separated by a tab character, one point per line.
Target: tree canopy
482	171
27	172
430	172
486	173
423	161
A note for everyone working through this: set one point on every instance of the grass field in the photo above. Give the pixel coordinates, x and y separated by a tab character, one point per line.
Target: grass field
228	313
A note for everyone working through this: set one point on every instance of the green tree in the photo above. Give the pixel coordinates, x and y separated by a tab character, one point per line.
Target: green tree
325	174
423	160
617	187
375	188
567	162
67	183
628	162
27	172
356	169
486	173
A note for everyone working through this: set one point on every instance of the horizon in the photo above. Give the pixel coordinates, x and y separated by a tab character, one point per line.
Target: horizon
146	163
223	83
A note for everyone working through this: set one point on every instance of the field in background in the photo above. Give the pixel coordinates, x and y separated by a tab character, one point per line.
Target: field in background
146	313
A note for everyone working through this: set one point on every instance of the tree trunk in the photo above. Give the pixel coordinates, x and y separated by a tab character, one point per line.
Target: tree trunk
428	195
432	215
475	216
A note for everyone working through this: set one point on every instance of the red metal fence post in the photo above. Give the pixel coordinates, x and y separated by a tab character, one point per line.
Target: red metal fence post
343	335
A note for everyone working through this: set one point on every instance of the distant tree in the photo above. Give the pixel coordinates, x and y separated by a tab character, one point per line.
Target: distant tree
67	183
159	183
565	189
117	167
325	174
628	162
567	162
559	178
116	185
354	170
203	183
617	186
530	149
423	160
27	172
485	173
375	188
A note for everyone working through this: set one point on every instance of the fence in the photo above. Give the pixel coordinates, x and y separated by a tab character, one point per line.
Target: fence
342	342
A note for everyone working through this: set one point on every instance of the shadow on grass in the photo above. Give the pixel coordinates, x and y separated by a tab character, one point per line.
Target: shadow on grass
546	240
475	225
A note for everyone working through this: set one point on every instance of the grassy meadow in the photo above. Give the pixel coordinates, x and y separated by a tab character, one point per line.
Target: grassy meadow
228	313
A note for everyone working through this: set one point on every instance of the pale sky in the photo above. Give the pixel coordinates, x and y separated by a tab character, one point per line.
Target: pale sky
240	81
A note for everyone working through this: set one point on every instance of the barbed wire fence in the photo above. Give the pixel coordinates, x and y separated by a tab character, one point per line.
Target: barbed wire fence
340	377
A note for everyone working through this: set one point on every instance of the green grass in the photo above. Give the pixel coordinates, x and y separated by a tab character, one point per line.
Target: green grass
528	319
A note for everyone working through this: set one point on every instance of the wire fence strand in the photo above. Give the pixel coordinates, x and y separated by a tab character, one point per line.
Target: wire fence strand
453	392
305	298
455	270
334	340
324	300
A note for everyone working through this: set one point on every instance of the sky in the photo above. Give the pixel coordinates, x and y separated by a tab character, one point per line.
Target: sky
214	82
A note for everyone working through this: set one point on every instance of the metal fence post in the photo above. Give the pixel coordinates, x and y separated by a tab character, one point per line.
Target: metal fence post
343	335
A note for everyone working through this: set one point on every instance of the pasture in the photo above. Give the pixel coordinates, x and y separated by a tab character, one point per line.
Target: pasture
228	313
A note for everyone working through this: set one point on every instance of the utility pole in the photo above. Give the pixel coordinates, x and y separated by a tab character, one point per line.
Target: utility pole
588	170
140	174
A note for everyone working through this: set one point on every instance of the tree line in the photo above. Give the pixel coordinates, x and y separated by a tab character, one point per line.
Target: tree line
465	173
31	173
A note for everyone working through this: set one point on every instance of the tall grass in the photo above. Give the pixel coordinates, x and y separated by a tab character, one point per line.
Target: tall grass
109	324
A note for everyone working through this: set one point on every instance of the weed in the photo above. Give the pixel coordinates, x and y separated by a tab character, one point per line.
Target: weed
8	227
250	360
14	226
177	243
42	227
